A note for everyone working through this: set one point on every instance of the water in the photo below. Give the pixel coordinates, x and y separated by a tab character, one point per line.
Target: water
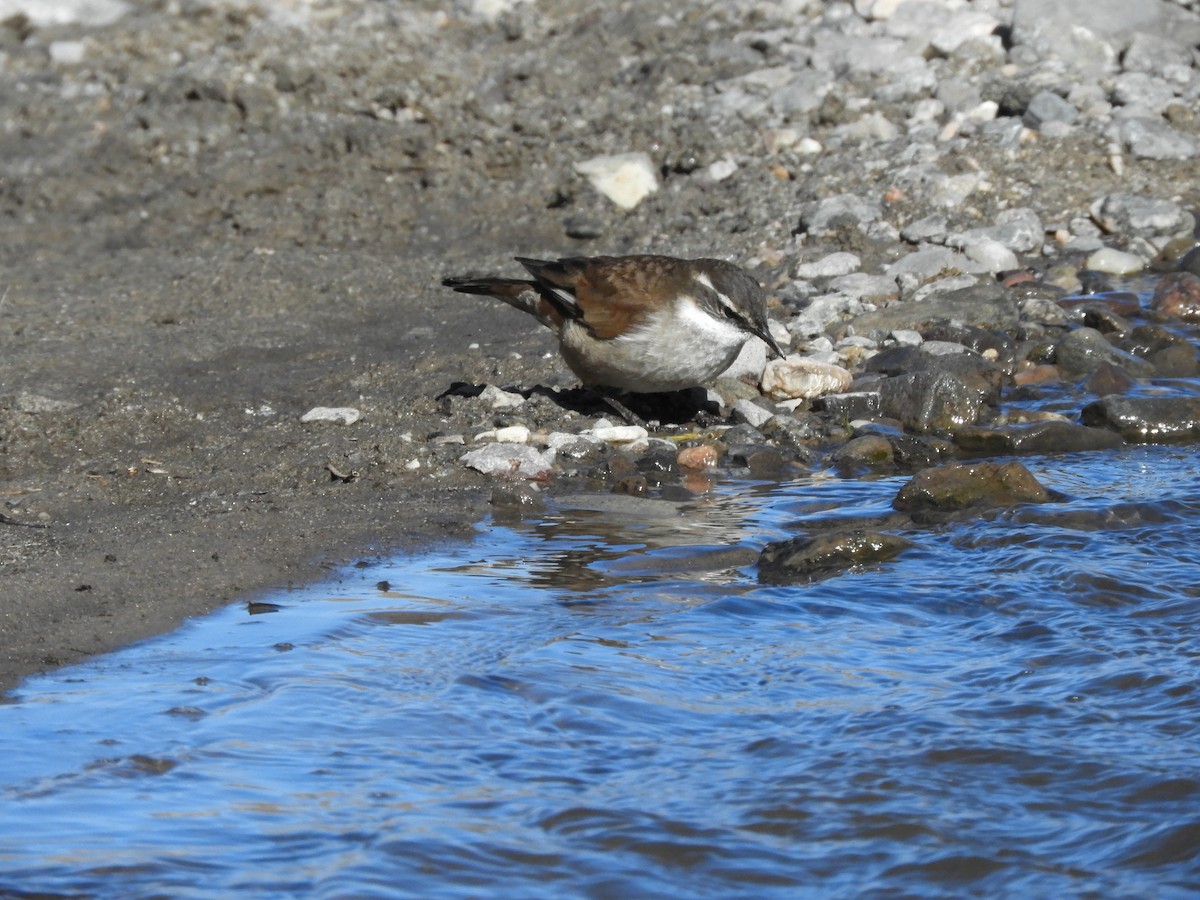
584	706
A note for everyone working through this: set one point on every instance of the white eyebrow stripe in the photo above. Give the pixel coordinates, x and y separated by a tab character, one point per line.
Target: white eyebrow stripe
702	278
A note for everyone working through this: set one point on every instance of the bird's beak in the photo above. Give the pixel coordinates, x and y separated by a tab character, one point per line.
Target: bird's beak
769	340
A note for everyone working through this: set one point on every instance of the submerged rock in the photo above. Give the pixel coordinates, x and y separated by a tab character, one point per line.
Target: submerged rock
1036	437
806	558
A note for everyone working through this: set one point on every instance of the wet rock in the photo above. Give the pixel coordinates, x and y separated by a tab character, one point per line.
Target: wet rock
761	460
1178	295
333	415
513	502
1083	350
806	558
1108	379
865	451
511	461
1035	437
1147	420
1190	261
930	401
700	456
978	374
576	446
800	378
751	413
912	452
970	486
849	406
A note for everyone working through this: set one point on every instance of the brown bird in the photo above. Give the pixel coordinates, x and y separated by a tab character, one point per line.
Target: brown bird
638	323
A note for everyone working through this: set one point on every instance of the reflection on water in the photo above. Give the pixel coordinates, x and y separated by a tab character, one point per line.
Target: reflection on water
606	703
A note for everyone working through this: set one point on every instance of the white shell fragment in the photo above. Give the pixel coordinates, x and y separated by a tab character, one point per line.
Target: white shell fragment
625	178
335	415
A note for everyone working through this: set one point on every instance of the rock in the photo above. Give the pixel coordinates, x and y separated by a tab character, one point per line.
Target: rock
982	305
751	413
89	13
37	404
625	178
1035	437
1155	139
511	461
335	415
797	377
1142	90
970	486
993	256
850	406
1136	215
1045	107
620	434
868	450
930	401
511	434
497	398
1109	379
805	558
700	456
1115	262
829	266
760	460
750	361
1178	295
1083	350
513	502
842	211
1147	420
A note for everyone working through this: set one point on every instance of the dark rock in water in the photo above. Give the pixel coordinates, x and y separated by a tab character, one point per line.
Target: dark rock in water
930	401
512	502
1108	379
1190	261
913	452
1083	350
970	486
850	406
1178	295
806	558
1172	354
1036	437
759	459
866	451
973	370
1147	420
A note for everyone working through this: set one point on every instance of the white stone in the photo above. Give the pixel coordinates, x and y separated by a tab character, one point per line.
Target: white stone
991	254
749	362
511	434
335	415
801	378
620	434
67	53
511	461
1115	262
830	266
625	178
721	169
48	13
500	399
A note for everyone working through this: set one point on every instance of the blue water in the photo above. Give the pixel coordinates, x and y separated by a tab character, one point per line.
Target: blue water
605	703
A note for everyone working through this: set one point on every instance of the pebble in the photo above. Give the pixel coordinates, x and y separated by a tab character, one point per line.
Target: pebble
498	398
620	434
625	178
334	415
1178	295
511	434
701	456
1115	262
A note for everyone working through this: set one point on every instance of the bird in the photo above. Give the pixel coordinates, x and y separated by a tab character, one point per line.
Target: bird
640	324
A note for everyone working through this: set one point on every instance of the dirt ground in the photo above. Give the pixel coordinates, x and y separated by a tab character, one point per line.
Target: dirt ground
225	214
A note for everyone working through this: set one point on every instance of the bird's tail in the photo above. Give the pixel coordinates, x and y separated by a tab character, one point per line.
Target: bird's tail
522	294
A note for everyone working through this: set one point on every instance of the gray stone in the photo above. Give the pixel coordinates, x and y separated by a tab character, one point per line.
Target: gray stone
1046	107
1143	90
930	228
1083	350
1036	437
806	558
1155	53
1155	139
511	461
751	413
926	263
842	211
982	305
1132	215
930	401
